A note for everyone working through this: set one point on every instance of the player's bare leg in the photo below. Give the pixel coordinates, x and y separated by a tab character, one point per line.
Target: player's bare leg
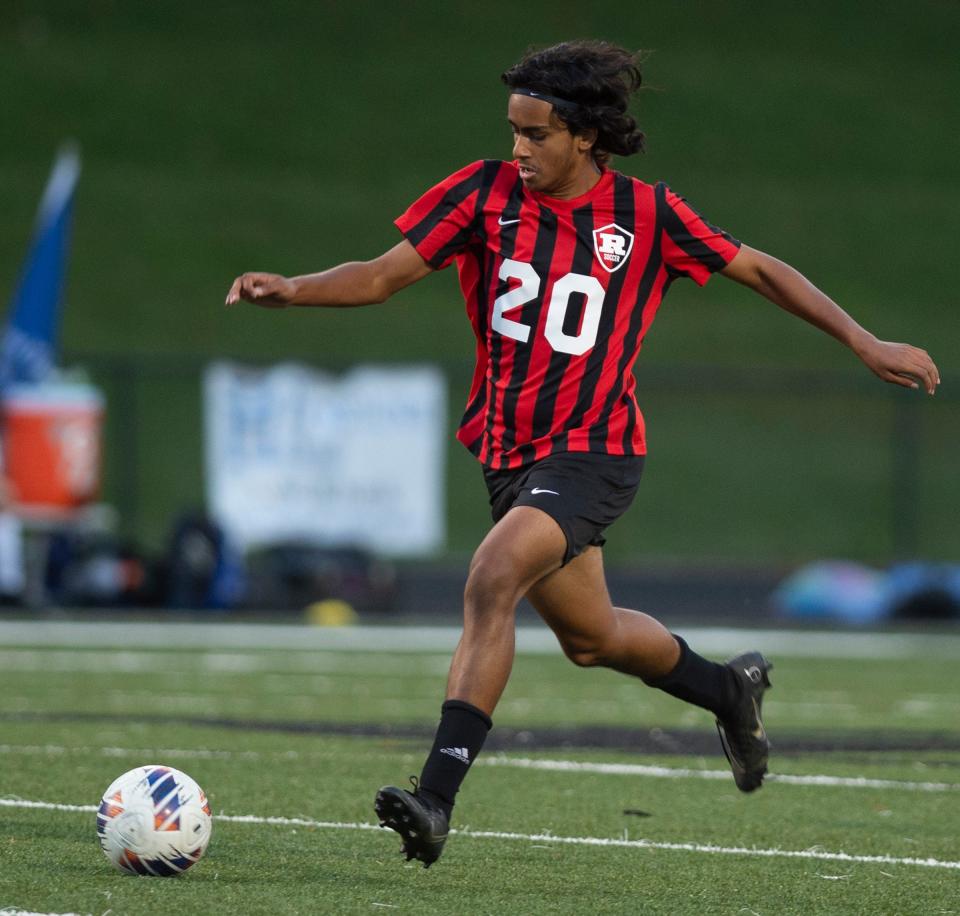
575	604
523	547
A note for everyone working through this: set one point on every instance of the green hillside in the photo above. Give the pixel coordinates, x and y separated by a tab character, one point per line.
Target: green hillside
221	137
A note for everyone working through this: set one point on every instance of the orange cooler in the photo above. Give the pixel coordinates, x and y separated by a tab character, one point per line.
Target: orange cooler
51	444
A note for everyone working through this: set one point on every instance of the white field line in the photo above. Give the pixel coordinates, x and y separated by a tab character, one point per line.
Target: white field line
316	665
657	772
55	750
7	911
549	838
530	639
526	763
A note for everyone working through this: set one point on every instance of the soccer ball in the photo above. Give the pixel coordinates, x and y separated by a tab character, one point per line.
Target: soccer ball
154	820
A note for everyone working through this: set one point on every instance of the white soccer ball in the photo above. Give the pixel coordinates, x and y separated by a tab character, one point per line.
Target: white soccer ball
154	820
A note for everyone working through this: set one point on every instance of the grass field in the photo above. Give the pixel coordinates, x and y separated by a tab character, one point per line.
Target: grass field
595	795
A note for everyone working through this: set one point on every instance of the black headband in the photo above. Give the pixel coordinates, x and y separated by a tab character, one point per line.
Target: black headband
558	103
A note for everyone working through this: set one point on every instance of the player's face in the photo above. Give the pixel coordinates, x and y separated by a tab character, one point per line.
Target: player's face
552	160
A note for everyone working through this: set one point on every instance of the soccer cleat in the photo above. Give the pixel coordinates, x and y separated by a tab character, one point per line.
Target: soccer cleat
742	734
421	823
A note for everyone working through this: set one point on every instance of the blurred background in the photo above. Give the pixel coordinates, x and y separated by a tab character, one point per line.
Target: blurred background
222	137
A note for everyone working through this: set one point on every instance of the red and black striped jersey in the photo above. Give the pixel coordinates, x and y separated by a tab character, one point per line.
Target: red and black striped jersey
560	294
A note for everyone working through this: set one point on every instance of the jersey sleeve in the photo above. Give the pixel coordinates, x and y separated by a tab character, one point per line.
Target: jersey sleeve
690	246
442	222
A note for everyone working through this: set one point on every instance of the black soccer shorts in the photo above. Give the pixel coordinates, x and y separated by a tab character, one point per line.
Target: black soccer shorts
583	492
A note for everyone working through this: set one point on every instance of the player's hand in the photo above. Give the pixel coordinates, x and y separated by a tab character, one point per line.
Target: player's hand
900	364
268	290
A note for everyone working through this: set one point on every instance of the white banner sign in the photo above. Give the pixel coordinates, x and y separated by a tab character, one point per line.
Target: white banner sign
292	453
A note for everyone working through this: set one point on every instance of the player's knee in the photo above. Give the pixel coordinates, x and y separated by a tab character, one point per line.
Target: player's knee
585	653
492	584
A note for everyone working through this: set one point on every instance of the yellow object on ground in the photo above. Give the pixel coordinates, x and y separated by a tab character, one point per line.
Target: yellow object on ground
331	612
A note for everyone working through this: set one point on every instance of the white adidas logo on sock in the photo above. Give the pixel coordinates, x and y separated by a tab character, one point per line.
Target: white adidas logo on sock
460	753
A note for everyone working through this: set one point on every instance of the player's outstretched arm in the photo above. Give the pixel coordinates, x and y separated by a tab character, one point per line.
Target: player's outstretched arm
350	284
898	363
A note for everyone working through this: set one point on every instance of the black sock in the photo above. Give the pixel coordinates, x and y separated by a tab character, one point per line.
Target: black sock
460	735
695	679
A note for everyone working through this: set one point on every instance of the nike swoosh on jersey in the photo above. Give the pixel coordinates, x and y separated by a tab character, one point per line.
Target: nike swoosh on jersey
507	222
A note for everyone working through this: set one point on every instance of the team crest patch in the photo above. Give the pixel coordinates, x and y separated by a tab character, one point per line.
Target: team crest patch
613	246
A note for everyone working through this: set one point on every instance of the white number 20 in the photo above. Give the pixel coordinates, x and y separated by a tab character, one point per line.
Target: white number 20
574	344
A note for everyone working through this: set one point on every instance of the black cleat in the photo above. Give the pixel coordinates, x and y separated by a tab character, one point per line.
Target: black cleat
742	734
422	824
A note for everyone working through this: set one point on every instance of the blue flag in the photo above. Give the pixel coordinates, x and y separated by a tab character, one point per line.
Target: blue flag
29	347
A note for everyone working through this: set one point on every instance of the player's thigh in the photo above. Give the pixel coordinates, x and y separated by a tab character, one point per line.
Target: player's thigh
525	546
574	602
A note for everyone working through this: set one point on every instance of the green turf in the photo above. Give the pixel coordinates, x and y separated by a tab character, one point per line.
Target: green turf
259	868
51	862
363	687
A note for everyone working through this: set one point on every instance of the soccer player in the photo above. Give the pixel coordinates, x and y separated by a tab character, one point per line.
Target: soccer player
563	263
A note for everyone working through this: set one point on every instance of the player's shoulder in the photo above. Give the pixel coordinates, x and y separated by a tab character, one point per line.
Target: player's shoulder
480	173
656	193
645	195
491	167
641	188
499	171
664	192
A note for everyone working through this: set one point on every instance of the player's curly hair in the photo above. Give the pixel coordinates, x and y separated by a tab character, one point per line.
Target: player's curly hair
599	77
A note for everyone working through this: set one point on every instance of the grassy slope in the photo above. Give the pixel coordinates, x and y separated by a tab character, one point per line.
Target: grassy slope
220	137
